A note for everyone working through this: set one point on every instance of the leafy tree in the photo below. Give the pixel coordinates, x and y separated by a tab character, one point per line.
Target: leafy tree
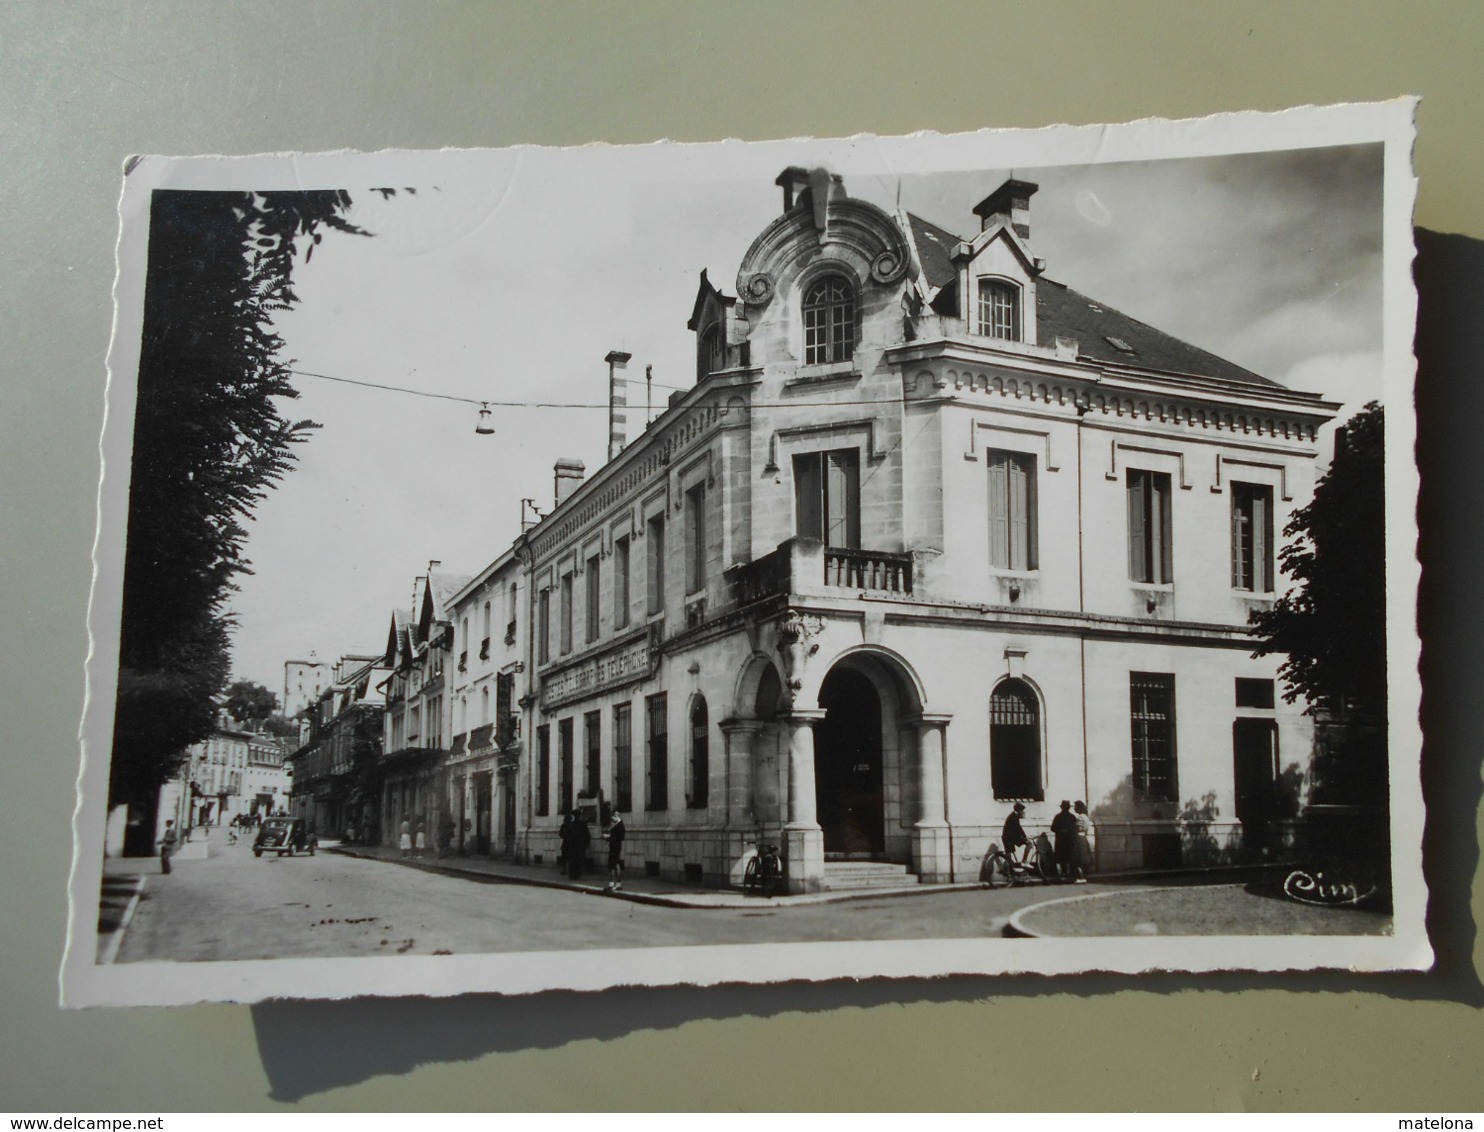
281	726
1331	628
248	702
209	442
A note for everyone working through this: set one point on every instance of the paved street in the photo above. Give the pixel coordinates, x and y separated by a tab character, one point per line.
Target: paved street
233	906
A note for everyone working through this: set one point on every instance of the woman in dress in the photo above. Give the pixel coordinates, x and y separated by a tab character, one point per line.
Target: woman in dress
404	843
1084	841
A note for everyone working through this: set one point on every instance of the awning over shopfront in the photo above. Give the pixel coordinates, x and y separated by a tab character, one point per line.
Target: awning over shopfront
481	739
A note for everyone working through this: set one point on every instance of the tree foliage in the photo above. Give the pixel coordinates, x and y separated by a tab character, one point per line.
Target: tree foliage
1331	628
209	442
249	702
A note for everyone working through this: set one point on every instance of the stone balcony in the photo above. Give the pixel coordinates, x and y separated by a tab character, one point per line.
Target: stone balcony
807	567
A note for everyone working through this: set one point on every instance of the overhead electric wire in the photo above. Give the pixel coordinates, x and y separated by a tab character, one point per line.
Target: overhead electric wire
507	404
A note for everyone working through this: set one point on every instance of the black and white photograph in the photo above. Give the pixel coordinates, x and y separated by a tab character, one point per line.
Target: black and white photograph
743	562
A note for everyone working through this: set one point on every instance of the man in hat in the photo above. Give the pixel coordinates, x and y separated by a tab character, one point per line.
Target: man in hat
1014	836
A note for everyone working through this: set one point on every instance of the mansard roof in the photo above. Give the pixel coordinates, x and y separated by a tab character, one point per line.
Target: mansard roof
1099	330
934	247
1064	313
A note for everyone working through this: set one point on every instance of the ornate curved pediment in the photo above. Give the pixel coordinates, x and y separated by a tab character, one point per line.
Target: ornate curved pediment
854	231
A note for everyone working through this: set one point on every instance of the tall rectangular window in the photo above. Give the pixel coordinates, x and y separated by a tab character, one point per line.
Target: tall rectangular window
593	578
656	537
695	538
566	614
564	764
1012	510
620	582
592	746
543	770
1149	557
623	757
657	772
827	497
543	626
1152	722
504	714
1252	537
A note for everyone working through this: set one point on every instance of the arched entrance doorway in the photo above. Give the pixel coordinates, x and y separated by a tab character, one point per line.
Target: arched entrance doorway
849	766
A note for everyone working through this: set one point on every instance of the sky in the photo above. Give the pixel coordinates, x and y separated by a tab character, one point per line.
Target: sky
509	275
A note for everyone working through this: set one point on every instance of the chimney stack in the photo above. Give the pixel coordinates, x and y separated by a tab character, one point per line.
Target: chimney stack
568	476
618	402
1011	202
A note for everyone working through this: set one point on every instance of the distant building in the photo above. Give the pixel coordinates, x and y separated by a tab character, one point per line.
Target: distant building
414	782
303	681
335	768
233	772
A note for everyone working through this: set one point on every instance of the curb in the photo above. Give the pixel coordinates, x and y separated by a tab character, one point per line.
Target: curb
657	899
116	939
1016	929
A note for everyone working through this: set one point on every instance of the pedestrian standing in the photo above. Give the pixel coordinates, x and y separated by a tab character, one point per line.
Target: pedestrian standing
564	836
422	839
1013	834
616	834
1064	830
1085	858
577	847
167	845
404	842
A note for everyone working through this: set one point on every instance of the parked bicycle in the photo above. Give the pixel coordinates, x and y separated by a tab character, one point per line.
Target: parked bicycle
1039	866
764	872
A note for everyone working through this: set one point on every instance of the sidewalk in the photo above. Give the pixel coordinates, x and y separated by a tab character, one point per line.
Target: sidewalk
638	888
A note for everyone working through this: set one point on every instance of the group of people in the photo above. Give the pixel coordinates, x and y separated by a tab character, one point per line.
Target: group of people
413	843
576	837
1071	833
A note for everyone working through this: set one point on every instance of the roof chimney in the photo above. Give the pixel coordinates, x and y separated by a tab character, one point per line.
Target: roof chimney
568	475
1011	203
794	181
618	402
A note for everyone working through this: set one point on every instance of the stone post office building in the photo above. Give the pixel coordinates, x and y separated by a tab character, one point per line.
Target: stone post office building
931	534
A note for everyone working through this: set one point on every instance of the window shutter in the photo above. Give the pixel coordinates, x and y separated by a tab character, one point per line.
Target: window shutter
999	519
1239	580
1262	540
1015	466
1164	534
1137	524
842	499
808	497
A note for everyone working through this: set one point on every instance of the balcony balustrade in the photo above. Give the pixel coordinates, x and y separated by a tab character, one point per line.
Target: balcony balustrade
804	566
871	571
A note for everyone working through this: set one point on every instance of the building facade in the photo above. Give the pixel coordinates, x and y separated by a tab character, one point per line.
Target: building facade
486	690
336	767
303	681
932	534
412	771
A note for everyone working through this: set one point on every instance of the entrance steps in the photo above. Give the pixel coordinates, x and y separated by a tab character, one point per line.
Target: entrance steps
845	875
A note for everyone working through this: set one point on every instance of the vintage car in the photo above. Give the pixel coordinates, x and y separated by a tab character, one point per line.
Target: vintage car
284	835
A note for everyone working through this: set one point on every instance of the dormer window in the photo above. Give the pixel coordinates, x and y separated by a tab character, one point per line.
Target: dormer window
999	309
710	354
829	321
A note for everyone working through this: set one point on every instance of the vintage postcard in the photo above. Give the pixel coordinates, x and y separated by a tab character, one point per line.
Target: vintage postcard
688	564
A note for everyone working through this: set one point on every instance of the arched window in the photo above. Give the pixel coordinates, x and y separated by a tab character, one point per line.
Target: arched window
699	768
710	354
829	321
999	309
1015	743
